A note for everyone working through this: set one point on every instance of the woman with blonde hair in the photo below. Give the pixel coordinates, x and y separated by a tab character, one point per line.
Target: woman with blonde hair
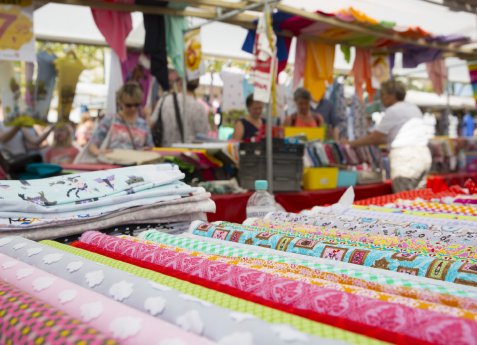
125	130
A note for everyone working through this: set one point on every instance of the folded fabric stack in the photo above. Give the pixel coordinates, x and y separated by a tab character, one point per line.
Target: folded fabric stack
318	154
119	199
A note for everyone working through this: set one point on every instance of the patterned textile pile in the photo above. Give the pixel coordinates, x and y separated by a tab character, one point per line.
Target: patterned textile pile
333	275
131	198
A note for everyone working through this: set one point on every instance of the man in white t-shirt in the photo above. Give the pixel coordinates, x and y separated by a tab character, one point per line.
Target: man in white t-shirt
403	130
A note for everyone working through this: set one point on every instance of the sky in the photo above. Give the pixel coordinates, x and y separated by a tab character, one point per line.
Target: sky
76	23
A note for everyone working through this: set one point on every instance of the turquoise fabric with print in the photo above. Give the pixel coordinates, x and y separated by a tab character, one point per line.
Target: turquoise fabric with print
424	266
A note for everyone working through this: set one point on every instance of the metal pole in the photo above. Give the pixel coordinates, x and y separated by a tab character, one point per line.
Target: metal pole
232	14
269	141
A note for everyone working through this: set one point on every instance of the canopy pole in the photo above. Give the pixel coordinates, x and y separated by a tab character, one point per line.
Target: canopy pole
233	13
269	139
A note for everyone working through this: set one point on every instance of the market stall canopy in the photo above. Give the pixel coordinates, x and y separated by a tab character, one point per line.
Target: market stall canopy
349	27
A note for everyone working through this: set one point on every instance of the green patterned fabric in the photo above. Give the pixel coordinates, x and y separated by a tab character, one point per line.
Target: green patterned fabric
224	300
228	250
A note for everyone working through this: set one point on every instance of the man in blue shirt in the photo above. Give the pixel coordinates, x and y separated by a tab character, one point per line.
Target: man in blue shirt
326	109
468	125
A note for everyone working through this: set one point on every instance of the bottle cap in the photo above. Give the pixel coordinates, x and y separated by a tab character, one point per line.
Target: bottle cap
261	185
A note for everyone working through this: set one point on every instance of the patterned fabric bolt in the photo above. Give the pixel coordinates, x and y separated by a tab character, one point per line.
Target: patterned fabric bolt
167	304
28	321
399	285
224	300
439	269
107	315
335	234
311	277
386	321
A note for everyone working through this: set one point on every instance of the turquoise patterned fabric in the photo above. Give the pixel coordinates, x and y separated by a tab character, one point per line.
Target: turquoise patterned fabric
424	266
210	246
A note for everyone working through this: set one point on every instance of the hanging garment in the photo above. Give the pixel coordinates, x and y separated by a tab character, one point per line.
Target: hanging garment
300	59
134	69
175	27
437	72
318	68
283	43
115	27
155	43
69	69
380	70
337	98
29	70
362	73
10	92
232	91
472	67
115	81
359	117
414	56
45	83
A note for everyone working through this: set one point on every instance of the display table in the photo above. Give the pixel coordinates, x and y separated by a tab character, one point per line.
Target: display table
89	167
231	207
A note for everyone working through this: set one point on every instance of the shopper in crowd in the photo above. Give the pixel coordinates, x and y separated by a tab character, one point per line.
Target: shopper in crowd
125	130
62	151
403	129
251	125
84	130
179	125
326	109
304	117
20	140
468	124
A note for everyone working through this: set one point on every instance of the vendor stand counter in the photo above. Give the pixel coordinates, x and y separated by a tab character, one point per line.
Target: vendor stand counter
231	207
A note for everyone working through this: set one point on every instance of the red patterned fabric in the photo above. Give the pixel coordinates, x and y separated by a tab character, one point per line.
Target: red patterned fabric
425	194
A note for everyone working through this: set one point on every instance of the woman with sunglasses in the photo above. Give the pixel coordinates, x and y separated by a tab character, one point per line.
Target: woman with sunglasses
126	130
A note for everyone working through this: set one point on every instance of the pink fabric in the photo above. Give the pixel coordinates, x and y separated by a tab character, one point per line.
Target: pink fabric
425	325
24	321
437	72
132	70
300	58
111	318
115	27
362	73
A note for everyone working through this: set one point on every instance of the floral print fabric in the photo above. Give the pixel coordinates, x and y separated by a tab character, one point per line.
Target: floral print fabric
364	232
412	264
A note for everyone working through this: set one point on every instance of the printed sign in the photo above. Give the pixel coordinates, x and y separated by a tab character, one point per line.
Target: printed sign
17	41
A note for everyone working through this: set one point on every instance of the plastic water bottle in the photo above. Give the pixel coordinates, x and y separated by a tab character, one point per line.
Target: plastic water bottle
261	202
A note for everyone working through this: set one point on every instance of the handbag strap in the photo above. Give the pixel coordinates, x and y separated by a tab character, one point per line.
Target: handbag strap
178	116
130	135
